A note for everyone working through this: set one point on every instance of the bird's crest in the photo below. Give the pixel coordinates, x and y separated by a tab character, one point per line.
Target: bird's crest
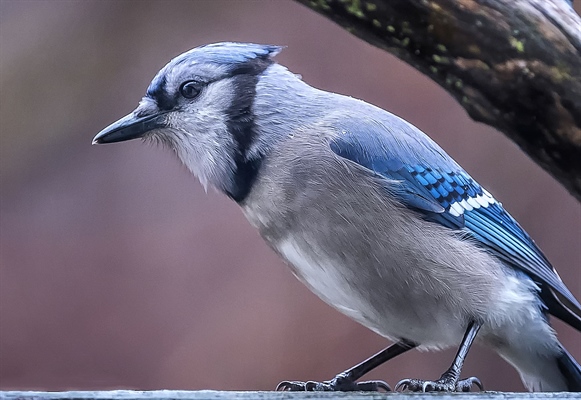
230	55
232	52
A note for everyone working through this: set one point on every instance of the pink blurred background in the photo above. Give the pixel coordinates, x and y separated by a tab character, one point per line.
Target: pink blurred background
118	271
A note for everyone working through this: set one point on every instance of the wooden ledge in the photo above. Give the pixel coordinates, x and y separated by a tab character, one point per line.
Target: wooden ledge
231	395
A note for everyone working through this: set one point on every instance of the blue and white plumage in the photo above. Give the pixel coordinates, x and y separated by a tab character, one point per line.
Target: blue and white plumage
432	183
370	213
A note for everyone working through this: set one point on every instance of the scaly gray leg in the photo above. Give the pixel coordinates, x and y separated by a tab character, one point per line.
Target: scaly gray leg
450	380
346	381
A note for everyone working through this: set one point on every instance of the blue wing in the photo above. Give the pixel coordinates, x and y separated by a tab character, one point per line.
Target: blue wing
432	183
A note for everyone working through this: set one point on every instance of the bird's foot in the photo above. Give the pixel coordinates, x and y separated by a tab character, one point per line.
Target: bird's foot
444	384
341	383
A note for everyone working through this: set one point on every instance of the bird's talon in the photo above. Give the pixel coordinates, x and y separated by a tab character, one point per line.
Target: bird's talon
403	385
290	386
311	386
372	386
339	384
465	385
441	385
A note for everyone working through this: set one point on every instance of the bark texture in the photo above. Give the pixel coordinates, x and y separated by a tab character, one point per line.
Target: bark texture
512	64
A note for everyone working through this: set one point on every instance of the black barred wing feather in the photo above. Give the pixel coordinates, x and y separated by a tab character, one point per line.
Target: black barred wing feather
429	181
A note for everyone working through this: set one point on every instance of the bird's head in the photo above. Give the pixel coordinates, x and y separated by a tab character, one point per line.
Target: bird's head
201	105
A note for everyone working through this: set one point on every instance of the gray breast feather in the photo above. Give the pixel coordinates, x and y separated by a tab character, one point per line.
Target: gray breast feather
370	257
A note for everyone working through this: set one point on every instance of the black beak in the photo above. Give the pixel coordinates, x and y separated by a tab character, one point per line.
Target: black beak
130	127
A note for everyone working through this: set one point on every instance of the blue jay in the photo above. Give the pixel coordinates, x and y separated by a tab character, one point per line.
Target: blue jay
368	212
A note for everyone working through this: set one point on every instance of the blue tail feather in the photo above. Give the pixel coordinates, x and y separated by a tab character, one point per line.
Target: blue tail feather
571	370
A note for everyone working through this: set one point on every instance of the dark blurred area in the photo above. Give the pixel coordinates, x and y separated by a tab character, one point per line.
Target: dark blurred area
118	271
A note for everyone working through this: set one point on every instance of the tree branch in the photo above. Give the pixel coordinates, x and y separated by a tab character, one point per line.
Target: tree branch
512	64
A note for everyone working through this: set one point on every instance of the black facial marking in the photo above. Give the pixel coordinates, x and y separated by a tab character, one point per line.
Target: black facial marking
157	91
241	125
244	178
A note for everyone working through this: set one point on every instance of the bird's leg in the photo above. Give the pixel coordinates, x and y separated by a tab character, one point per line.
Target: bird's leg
346	381
450	380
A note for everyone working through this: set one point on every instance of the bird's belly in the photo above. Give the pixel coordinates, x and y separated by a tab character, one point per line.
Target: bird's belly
324	278
380	303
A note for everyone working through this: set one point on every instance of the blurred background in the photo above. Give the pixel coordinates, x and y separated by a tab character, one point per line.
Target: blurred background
118	271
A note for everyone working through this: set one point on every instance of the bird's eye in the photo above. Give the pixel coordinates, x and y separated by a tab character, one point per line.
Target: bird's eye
190	89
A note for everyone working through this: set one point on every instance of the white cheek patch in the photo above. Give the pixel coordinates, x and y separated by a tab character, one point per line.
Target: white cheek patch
201	138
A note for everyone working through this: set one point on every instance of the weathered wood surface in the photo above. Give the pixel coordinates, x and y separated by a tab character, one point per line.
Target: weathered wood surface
512	64
227	395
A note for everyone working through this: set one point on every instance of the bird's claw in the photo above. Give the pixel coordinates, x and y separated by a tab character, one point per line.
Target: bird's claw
440	385
340	383
299	386
465	385
290	386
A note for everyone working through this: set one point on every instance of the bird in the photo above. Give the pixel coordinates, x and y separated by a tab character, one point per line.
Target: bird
368	212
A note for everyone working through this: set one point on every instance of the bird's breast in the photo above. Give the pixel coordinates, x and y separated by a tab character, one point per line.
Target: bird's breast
362	253
323	276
